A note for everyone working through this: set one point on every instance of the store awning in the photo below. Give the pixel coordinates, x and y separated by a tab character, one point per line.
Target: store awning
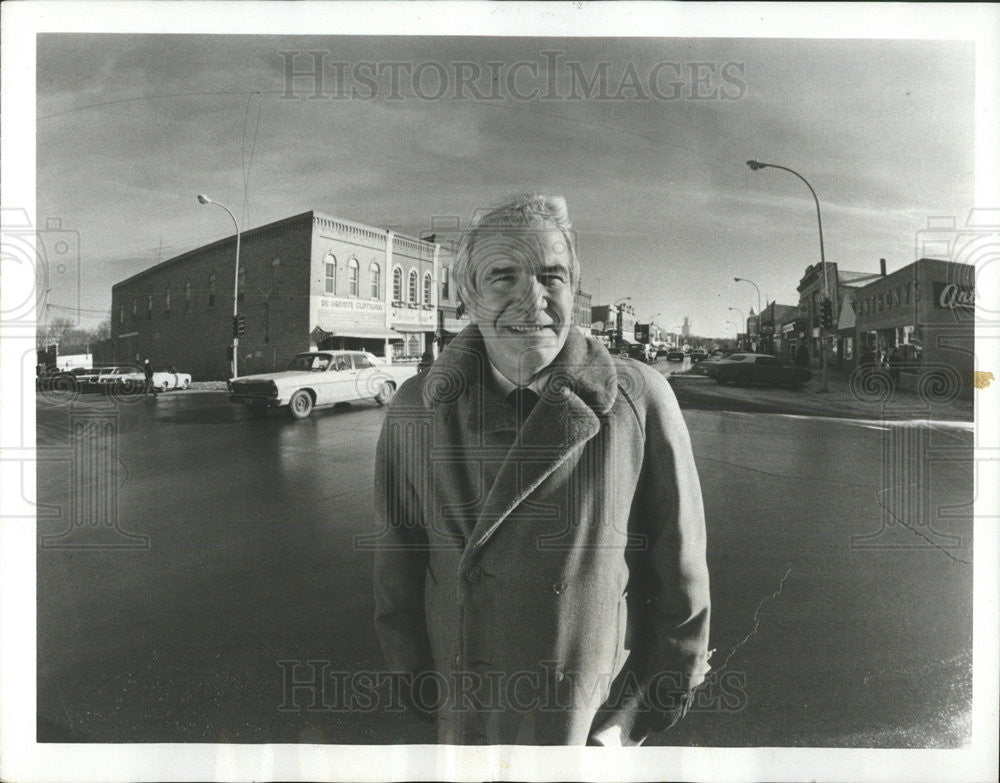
455	325
414	328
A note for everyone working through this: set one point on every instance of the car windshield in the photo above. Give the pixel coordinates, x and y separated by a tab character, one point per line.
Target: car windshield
309	362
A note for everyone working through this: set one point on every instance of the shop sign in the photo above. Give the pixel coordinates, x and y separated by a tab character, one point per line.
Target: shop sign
353	305
951	296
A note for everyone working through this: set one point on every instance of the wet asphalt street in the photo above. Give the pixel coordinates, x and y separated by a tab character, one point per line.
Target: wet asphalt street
193	561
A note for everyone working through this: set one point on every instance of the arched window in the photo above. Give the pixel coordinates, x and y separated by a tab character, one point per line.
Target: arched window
211	289
427	288
352	276
445	282
375	273
187	297
411	287
121	314
397	285
149	307
241	283
166	303
134	316
330	273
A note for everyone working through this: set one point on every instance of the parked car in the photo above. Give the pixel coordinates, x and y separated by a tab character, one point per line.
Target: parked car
132	380
744	369
636	351
318	379
676	355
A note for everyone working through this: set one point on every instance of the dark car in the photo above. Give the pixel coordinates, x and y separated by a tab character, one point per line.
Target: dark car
675	355
744	369
699	354
635	351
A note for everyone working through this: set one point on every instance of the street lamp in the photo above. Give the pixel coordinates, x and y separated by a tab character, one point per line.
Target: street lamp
236	277
743	320
756	165
618	315
651	324
751	282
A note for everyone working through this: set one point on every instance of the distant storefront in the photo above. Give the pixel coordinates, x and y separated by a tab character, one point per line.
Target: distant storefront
920	319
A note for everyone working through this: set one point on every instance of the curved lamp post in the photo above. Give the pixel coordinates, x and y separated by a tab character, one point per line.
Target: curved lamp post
756	165
743	320
751	282
236	278
618	318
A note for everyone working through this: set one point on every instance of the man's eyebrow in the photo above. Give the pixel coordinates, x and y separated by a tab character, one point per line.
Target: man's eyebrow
554	269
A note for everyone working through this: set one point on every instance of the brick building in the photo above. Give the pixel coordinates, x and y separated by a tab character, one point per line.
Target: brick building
925	313
305	282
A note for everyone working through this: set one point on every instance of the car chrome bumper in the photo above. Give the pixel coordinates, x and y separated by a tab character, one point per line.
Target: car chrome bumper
247	399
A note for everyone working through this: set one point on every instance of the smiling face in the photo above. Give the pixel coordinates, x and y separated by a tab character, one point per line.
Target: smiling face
521	297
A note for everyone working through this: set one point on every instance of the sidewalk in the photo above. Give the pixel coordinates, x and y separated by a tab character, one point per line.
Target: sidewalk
848	397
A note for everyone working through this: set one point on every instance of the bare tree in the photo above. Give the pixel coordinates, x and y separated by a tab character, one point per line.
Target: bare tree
57	329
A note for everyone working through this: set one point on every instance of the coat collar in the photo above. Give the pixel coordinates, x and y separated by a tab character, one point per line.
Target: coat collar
581	385
583	369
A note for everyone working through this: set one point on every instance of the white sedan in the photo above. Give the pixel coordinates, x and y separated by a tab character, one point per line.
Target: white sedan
125	380
317	379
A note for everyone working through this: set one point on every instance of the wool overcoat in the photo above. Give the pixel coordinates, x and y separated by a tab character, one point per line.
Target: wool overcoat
535	583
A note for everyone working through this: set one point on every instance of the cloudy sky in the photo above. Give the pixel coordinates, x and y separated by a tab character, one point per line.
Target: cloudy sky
405	132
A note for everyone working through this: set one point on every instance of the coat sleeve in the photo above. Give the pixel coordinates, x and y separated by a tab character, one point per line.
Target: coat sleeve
669	602
400	553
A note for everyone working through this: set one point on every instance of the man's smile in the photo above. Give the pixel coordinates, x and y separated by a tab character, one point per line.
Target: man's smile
527	328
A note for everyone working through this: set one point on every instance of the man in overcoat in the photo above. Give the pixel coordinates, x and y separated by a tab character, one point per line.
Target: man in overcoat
540	573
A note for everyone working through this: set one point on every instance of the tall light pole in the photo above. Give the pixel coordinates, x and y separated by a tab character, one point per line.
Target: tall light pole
236	276
651	324
751	282
743	320
756	165
618	318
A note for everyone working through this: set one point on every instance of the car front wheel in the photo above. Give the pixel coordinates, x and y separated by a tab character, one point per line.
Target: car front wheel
385	393
300	405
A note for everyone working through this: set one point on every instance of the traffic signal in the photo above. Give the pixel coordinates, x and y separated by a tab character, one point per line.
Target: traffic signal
826	314
239	325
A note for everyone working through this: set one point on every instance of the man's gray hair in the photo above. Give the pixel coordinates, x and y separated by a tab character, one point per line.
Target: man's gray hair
525	210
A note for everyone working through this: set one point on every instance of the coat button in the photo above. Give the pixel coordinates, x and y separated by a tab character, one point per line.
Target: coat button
475	574
559	588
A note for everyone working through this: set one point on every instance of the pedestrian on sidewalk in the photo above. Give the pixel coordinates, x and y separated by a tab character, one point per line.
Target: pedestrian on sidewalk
894	363
149	386
548	586
802	355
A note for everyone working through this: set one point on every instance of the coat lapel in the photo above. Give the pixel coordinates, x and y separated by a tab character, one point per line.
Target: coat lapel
581	386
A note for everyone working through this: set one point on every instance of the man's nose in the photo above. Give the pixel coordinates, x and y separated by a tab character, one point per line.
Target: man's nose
536	295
